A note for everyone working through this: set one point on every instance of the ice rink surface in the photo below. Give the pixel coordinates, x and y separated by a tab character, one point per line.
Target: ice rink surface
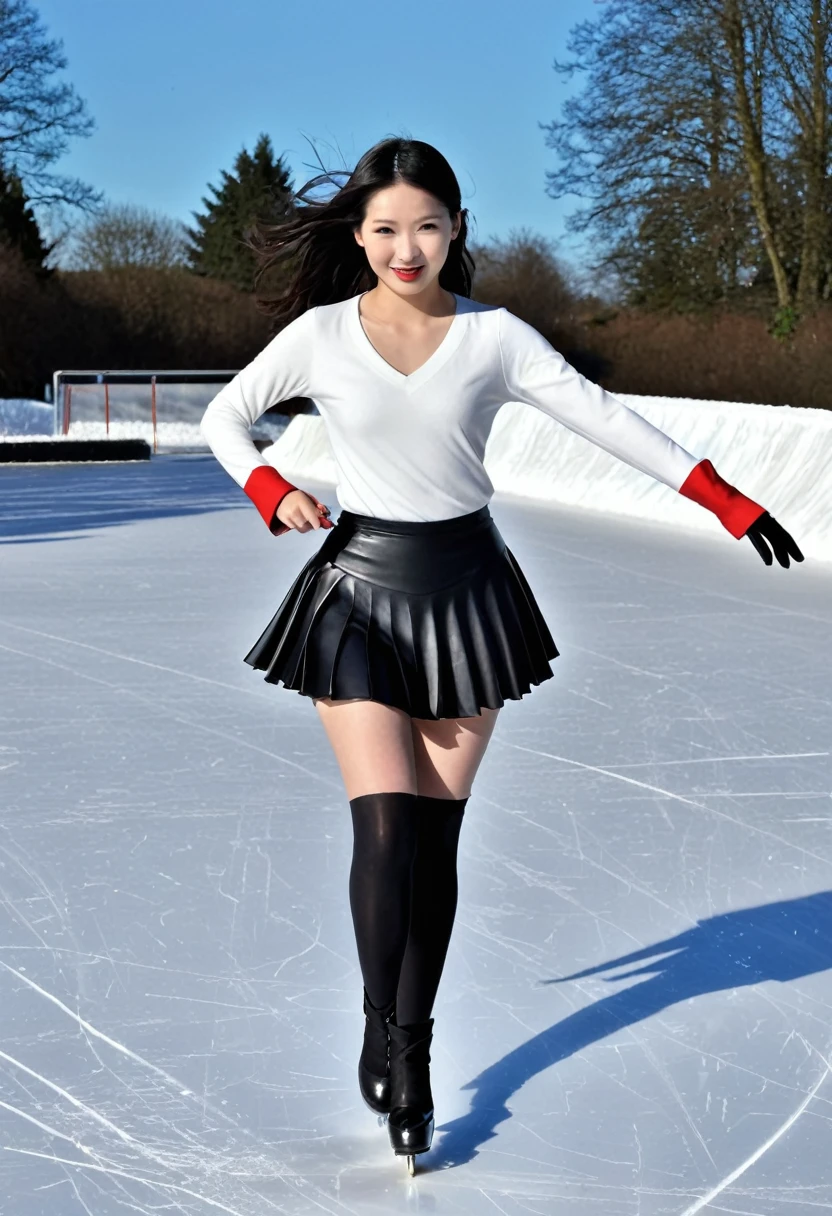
636	1013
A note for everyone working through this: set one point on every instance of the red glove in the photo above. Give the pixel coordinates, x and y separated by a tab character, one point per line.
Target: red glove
733	510
267	489
740	515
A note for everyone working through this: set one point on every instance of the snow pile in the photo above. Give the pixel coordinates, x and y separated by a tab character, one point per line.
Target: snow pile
175	435
780	456
22	417
180	407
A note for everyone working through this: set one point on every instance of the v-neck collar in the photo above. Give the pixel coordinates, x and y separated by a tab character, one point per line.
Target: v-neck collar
439	357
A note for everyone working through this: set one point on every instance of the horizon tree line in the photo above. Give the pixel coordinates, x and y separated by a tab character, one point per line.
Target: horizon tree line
699	147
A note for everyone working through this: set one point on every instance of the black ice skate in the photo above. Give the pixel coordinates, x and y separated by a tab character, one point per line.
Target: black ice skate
410	1121
373	1066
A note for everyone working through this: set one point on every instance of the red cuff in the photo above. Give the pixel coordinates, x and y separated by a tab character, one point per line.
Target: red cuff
265	487
733	510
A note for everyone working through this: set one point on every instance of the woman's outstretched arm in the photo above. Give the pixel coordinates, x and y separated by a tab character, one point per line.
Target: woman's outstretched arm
539	375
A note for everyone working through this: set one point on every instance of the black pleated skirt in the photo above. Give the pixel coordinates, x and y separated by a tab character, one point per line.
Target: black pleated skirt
434	618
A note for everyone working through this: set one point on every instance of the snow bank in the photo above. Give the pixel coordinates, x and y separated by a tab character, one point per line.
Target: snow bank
780	456
30	423
25	418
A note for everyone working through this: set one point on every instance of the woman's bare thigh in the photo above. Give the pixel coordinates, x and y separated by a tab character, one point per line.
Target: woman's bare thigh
381	748
373	744
448	752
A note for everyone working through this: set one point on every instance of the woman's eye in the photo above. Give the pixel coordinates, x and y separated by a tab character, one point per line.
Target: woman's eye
379	231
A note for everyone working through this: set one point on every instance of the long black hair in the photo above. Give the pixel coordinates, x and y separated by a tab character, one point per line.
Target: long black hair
328	264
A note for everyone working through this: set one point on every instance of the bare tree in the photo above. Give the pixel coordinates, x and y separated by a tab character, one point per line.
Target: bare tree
702	145
37	116
800	34
122	234
523	273
784	48
748	40
650	146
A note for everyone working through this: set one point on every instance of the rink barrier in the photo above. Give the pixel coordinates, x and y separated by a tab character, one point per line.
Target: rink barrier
779	456
72	450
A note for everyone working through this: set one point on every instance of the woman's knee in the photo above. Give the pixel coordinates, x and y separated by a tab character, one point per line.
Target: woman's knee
385	834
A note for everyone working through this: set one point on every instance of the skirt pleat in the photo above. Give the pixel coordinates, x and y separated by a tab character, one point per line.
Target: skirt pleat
436	619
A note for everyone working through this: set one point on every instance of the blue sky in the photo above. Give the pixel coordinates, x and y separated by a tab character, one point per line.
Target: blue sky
178	87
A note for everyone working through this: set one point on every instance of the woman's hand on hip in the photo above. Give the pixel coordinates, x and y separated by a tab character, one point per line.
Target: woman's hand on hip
301	511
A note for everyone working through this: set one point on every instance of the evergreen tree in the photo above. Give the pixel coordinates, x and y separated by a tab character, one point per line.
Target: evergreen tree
18	226
259	189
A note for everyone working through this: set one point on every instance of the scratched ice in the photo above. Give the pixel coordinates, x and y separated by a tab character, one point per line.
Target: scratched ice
636	1014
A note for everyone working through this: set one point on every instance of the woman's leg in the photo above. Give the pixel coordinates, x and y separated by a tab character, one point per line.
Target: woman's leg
384	846
447	754
373	744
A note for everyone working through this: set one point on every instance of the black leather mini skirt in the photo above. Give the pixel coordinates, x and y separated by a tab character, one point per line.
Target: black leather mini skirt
436	619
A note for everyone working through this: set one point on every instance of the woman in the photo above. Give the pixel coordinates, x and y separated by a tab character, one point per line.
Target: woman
412	623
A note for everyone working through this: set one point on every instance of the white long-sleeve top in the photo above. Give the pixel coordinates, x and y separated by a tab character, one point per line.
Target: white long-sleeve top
411	447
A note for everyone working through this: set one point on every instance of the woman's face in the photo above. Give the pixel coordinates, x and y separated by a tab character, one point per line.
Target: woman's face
406	227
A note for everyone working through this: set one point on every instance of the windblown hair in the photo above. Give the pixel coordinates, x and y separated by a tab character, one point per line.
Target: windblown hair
328	263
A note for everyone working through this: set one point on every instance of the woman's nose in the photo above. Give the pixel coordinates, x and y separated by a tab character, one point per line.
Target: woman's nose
407	250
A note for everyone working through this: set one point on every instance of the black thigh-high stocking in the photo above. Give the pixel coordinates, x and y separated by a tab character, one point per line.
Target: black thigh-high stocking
433	906
384	846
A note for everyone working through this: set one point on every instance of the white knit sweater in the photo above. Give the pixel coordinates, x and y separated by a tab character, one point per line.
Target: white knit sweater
411	447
